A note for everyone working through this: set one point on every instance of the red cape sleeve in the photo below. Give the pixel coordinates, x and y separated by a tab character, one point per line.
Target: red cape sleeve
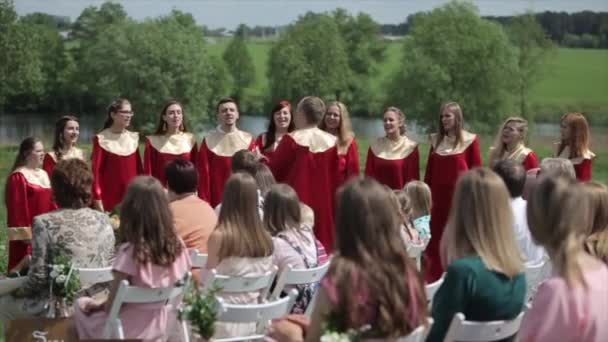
429	167
96	163
414	167
474	154
194	154
203	173
584	170
352	160
283	158
369	163
531	161
149	158
48	164
17	209
140	169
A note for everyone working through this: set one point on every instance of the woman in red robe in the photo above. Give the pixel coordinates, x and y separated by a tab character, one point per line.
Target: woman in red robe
307	160
509	144
116	159
453	152
217	150
279	125
393	160
170	141
28	194
574	145
337	122
67	131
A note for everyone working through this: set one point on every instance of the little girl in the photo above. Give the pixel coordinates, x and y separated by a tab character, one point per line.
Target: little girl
294	241
420	196
409	234
152	256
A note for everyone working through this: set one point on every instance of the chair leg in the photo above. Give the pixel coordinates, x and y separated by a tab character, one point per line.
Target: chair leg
185	335
119	330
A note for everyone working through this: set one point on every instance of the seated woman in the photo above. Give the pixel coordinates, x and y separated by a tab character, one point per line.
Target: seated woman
571	305
152	256
372	283
83	234
294	241
484	278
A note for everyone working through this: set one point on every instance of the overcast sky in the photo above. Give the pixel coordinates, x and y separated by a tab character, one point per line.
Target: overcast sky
230	13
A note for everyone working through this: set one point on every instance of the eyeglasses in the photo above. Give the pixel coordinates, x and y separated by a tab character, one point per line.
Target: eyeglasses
125	113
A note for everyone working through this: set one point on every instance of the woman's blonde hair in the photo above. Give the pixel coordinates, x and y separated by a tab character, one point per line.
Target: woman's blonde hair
558	215
345	130
455	109
401	116
597	233
498	149
243	234
420	194
481	223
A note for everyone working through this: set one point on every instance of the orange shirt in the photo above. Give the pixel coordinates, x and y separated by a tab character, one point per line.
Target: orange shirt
194	221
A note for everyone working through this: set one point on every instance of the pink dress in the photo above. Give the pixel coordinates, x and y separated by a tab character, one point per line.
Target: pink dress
564	314
140	321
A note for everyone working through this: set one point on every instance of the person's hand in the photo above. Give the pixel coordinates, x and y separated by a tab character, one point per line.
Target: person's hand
289	329
98	205
90	306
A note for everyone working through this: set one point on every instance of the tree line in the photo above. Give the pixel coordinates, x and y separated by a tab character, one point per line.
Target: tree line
451	53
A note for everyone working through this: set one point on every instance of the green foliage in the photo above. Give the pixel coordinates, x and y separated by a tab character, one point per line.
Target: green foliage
65	279
308	59
239	63
201	310
452	54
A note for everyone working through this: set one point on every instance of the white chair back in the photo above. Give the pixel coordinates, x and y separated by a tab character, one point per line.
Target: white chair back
534	276
95	275
432	288
260	283
132	294
199	260
463	330
419	334
290	277
415	252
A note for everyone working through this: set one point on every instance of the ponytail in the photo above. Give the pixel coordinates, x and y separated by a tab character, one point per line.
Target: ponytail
565	262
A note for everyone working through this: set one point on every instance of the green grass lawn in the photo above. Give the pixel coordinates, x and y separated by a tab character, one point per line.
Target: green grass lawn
542	148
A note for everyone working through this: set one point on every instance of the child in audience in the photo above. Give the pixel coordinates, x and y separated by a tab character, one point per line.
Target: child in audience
371	281
484	278
294	242
571	305
409	234
239	246
152	256
597	236
420	196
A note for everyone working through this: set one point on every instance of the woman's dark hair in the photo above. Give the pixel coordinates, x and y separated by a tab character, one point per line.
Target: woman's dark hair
281	209
25	149
58	143
161	127
72	183
182	176
513	174
272	127
114	107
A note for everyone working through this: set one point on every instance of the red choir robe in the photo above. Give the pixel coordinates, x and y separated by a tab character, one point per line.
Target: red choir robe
393	163
28	194
307	160
522	155
583	165
116	161
161	149
445	164
348	162
214	162
50	159
260	141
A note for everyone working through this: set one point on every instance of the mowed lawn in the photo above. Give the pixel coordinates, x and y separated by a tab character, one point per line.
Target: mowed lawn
542	148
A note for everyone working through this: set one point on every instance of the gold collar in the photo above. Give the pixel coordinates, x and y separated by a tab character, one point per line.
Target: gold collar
314	138
385	148
37	177
123	144
227	144
519	154
446	147
587	154
175	144
72	153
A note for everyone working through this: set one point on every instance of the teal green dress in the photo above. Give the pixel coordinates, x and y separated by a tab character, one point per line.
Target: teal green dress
480	294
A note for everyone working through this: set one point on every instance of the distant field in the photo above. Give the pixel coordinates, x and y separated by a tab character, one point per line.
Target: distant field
575	79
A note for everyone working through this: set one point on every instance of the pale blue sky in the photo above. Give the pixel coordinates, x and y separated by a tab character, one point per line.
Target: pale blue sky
230	13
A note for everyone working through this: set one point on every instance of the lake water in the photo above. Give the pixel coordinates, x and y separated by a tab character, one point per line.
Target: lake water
15	127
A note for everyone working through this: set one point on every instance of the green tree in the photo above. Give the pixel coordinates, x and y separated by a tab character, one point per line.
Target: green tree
533	48
239	63
308	59
452	54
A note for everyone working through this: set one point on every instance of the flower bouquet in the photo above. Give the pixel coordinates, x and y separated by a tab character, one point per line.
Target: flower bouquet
332	332
200	310
64	285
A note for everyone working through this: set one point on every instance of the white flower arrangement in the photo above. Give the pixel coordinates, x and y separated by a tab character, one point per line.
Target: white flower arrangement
64	284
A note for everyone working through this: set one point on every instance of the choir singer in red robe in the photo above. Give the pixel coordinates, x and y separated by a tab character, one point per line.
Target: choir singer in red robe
574	145
67	131
509	144
281	123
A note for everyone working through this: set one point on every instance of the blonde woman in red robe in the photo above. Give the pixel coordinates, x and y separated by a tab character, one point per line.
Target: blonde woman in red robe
393	160
574	145
67	131
217	149
307	160
337	122
509	144
116	159
453	152
280	124
170	141
28	193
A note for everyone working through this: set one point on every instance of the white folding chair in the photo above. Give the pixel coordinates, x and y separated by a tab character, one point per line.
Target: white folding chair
534	276
199	260
419	334
132	294
260	283
432	288
95	275
260	314
292	277
463	330
415	252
